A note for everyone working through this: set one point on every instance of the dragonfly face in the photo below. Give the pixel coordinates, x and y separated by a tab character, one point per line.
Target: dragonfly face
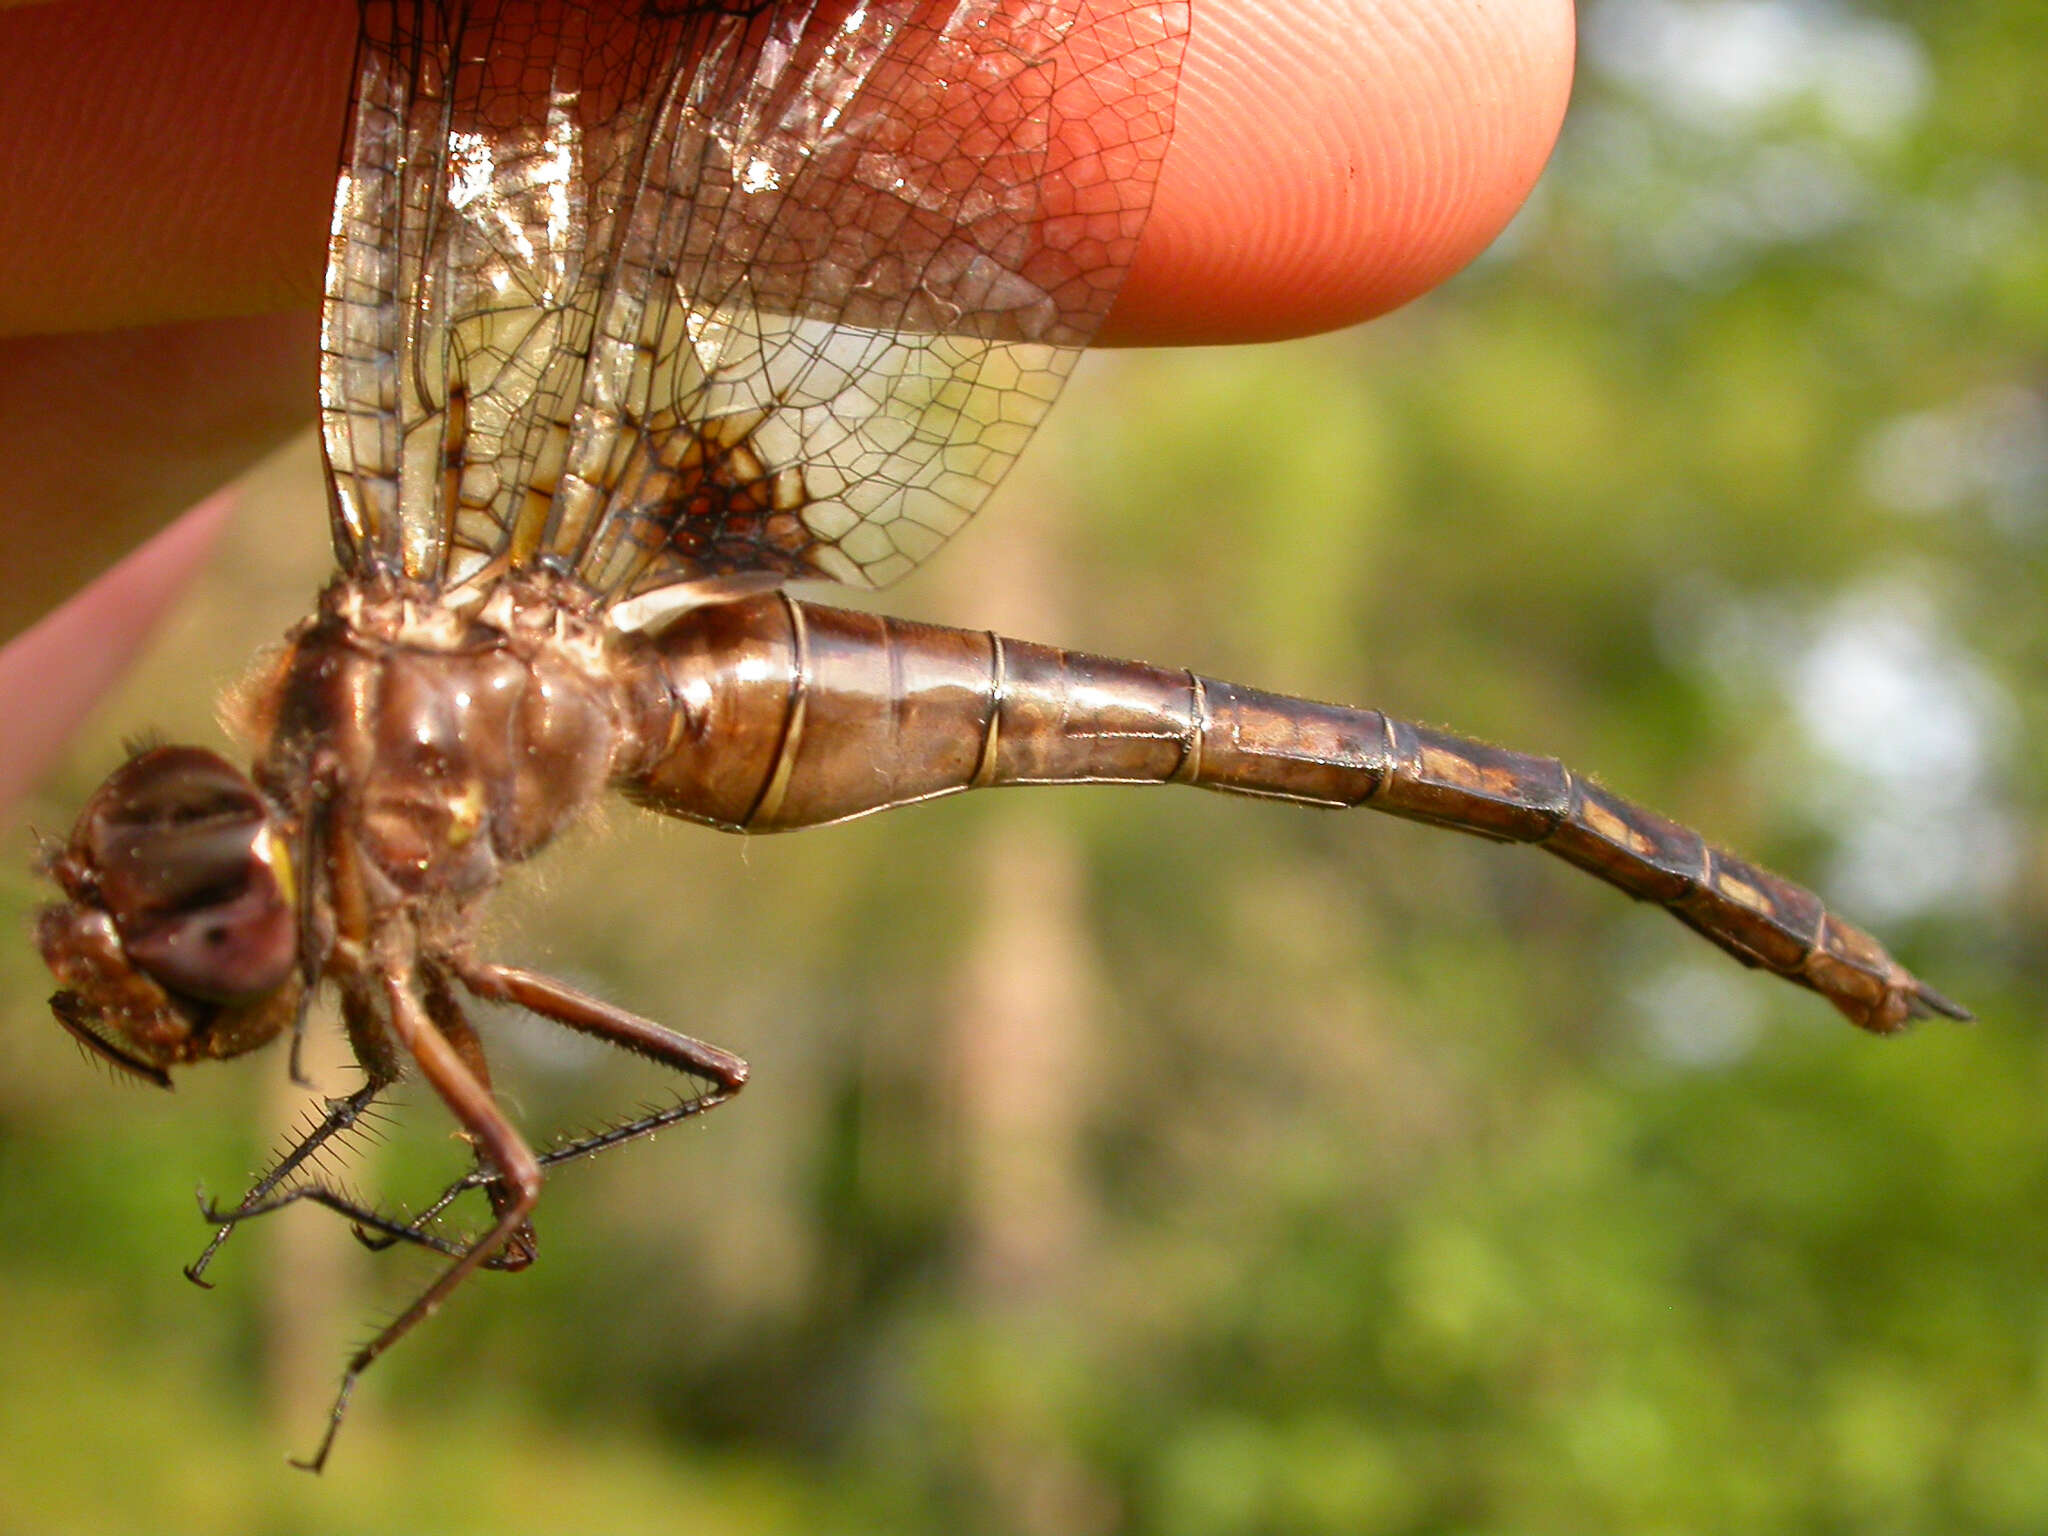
178	940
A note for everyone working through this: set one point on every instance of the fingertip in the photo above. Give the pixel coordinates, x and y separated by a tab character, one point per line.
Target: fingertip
1334	158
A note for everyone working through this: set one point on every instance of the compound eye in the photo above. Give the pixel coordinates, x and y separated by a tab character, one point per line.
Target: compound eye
187	863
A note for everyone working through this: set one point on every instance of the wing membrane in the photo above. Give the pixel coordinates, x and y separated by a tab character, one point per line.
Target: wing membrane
650	292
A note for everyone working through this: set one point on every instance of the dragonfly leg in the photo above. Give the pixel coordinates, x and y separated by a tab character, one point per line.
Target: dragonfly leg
382	1232
593	1016
516	1255
615	1135
518	1175
724	1073
341	1117
312	941
374	1228
447	1016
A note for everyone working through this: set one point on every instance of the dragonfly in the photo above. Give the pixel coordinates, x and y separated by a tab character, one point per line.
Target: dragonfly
635	313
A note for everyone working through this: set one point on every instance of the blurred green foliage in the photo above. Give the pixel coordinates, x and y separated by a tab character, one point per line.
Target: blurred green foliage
1154	1163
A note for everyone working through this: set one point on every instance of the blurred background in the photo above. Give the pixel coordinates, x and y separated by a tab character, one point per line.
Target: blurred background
1153	1162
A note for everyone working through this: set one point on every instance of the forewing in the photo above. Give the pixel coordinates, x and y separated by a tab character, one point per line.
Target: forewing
653	292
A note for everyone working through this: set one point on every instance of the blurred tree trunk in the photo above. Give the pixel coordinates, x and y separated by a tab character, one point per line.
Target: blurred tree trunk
1022	1038
1022	1048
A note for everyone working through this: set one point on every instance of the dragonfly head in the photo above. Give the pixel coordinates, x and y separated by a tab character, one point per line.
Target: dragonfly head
177	940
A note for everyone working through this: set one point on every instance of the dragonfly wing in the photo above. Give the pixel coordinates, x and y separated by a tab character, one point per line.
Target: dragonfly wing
650	293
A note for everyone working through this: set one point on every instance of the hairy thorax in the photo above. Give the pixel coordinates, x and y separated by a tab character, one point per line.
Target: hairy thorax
441	741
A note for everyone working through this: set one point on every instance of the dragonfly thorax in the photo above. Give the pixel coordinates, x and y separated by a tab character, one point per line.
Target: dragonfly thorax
444	741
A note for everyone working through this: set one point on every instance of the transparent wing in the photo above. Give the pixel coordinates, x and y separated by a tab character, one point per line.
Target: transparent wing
647	292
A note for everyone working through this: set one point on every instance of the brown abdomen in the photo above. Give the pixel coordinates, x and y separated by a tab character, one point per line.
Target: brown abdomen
767	714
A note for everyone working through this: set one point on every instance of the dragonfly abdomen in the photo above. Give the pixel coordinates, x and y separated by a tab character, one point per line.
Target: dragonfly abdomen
766	714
